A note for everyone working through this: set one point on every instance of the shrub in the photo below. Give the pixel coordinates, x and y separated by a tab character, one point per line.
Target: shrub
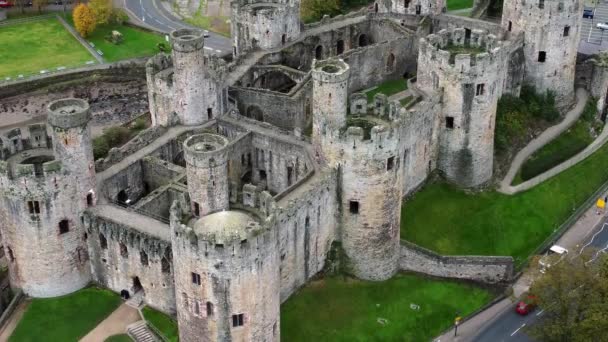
139	124
118	16
114	37
162	47
84	20
116	135
100	147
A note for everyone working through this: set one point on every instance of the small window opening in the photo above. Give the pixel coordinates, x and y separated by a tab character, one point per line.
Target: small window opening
124	252
165	267
64	226
353	207
197	209
143	257
418	9
566	31
449	122
33	207
480	89
510	26
390	163
103	242
542	56
541	4
238	320
209	113
209	309
11	256
196	278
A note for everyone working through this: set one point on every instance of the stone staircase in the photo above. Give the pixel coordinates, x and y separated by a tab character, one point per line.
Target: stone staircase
140	332
136	301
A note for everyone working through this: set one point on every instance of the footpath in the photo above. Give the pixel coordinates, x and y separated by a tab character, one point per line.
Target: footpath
573	239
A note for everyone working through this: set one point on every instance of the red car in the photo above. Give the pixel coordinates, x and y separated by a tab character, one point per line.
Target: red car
5	4
527	305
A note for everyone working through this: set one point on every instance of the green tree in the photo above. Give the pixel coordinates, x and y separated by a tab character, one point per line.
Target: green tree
84	20
313	10
574	296
102	9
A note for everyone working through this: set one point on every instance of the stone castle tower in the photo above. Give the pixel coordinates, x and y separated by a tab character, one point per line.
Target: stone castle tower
43	194
227	280
470	73
552	30
264	24
198	79
415	7
370	176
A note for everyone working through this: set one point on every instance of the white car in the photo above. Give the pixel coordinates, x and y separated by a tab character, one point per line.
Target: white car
548	259
602	26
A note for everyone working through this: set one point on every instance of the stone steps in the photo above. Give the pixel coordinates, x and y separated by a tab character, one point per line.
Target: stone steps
140	332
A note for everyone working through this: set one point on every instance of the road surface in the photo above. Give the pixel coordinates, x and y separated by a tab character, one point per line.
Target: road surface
510	326
152	13
593	39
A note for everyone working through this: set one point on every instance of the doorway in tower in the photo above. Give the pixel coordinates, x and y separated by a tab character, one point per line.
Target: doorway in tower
137	287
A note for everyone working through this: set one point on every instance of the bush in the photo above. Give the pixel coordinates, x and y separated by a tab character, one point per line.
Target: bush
100	147
162	47
139	125
114	37
116	135
118	16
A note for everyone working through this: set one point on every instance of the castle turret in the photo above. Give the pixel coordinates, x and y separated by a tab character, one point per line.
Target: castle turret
417	7
207	171
263	24
552	31
366	150
471	73
227	279
198	79
43	195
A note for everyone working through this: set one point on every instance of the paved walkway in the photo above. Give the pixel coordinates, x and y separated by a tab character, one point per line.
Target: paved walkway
13	320
540	141
572	240
114	324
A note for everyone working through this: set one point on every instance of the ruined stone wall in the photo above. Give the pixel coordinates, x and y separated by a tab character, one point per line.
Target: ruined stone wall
263	25
450	22
158	172
239	275
552	32
141	140
471	85
130	180
159	79
416	7
143	256
308	225
485	269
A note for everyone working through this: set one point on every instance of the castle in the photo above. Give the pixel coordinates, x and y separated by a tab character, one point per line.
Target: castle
258	165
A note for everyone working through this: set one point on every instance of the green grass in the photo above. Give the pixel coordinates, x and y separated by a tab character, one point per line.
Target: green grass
119	338
137	42
449	221
562	148
163	323
459	4
66	318
338	309
387	88
217	24
30	47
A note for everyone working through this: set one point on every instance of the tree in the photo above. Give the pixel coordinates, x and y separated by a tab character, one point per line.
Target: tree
40	4
313	10
84	20
574	297
102	9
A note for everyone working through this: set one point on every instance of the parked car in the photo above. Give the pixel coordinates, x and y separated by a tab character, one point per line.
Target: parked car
5	4
527	304
588	12
552	257
602	26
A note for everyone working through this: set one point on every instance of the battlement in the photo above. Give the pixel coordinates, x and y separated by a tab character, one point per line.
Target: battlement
454	50
158	62
187	40
37	163
332	70
206	150
554	7
261	3
68	113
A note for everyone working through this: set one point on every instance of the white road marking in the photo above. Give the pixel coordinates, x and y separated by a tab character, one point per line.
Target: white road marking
516	330
593	237
540	312
207	48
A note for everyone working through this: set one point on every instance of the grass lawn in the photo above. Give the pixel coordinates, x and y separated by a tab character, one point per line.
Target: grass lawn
338	309
217	24
387	88
562	148
137	42
66	318
459	4
163	323
449	221
30	47
119	338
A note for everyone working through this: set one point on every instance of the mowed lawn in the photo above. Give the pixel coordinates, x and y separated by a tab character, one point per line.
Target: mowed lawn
163	323
448	220
405	308
387	88
66	318
459	4
40	45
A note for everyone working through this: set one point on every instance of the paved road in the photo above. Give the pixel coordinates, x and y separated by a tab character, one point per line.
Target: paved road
152	13
510	326
594	39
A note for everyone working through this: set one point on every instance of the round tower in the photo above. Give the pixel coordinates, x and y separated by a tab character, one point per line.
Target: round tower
197	79
417	7
552	31
227	280
43	194
329	106
207	171
263	24
471	72
366	150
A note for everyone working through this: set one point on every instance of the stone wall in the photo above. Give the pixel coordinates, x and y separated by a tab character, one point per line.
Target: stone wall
484	269
141	140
